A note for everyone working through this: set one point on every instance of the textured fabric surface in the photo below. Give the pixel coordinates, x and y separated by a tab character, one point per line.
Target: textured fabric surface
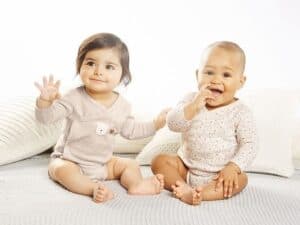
164	141
296	138
29	197
123	145
21	136
275	128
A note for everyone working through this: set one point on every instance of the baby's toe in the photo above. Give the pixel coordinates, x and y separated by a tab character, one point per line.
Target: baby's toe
197	198
178	184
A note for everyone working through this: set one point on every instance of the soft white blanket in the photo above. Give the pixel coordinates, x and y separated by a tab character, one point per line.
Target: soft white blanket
29	197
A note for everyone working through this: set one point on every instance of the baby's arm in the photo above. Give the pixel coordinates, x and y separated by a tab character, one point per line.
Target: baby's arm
179	118
193	106
132	129
248	145
176	118
247	139
48	108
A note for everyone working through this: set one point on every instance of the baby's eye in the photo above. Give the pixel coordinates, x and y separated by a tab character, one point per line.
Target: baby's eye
209	72
227	75
110	67
90	63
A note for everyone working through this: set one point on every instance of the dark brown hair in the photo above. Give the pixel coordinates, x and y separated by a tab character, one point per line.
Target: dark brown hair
105	40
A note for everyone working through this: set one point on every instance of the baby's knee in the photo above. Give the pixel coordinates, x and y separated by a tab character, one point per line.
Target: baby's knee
57	172
123	164
133	163
160	160
243	180
60	169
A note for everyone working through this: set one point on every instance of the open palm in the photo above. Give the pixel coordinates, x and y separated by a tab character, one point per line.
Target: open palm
49	90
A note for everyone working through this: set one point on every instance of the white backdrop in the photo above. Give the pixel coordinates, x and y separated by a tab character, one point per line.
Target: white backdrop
165	40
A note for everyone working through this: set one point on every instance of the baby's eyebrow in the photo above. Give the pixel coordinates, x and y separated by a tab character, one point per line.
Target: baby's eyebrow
86	59
228	68
110	62
209	66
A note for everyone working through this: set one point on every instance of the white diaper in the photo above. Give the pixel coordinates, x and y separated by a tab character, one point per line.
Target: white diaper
199	179
95	172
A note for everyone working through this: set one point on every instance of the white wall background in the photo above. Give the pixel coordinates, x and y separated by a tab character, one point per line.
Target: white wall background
165	40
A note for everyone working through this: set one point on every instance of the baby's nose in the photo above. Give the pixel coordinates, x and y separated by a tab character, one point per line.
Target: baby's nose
216	79
98	71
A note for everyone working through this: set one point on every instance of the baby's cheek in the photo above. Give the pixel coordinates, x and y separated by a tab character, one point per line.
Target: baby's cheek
202	83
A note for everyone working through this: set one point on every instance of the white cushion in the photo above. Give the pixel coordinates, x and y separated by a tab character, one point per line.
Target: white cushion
123	145
164	141
296	142
274	111
21	136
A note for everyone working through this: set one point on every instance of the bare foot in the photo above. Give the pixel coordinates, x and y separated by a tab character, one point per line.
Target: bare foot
149	186
187	194
102	193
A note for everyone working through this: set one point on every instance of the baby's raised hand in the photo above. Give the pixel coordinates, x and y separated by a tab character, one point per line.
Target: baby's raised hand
228	177
203	94
49	90
199	101
160	120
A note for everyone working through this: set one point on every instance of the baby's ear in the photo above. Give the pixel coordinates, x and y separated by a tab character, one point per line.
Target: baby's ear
243	79
196	73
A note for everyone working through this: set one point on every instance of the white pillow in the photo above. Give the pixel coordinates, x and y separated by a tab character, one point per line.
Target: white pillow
164	141
274	111
296	142
21	136
123	145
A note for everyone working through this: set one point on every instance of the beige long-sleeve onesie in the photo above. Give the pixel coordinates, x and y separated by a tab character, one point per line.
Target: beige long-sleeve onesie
213	138
88	135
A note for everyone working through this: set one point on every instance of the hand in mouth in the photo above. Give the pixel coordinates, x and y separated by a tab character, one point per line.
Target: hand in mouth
215	91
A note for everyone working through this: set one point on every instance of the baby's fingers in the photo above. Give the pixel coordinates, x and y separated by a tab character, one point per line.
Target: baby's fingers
57	84
236	182
51	79
203	86
219	182
230	187
38	86
45	81
225	188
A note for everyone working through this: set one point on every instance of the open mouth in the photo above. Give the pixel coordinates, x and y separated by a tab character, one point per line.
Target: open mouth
216	91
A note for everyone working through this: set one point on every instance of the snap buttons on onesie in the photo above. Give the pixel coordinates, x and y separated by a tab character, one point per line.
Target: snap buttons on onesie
102	128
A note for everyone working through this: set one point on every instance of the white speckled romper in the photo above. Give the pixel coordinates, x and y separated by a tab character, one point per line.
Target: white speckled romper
213	138
88	135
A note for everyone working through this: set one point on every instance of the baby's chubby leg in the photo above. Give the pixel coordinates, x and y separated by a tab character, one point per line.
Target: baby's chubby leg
172	167
129	174
211	192
69	175
175	172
